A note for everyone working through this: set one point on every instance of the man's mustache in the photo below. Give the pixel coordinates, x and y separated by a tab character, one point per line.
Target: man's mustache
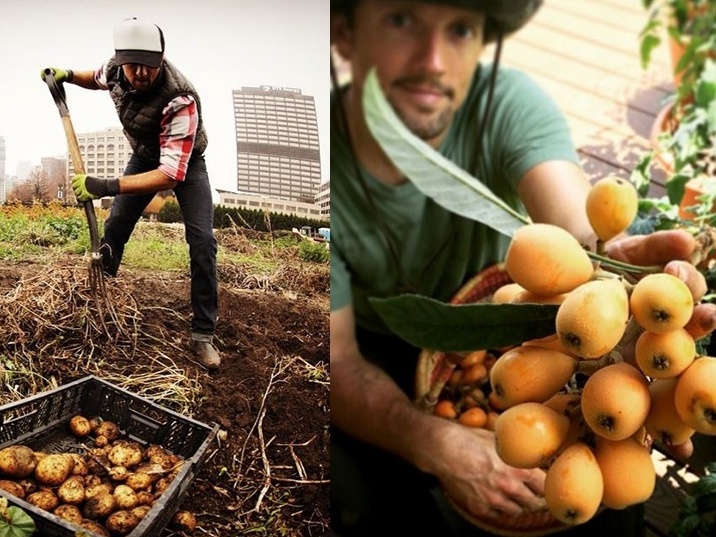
424	82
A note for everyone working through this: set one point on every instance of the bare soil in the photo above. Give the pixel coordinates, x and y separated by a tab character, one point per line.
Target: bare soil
268	471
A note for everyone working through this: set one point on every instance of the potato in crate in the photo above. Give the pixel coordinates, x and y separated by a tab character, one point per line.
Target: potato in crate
89	455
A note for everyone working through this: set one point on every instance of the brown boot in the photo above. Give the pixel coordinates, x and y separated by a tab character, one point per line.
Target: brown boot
206	353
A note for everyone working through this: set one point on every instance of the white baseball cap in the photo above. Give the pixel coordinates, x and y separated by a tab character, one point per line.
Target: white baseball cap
138	42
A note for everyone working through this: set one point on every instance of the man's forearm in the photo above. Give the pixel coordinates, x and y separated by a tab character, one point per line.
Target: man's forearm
145	183
367	404
84	79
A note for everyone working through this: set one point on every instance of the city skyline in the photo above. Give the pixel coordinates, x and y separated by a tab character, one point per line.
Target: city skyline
233	44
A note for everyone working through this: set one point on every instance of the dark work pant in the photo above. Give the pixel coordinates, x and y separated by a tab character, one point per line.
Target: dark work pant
375	494
197	207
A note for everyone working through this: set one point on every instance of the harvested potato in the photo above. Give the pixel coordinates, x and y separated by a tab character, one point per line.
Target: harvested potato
30	485
121	522
118	473
101	441
80	467
167	460
126	497
184	521
100	506
17	461
144	497
98	490
80	426
127	454
94	423
71	513
161	485
152	449
92	479
54	469
13	487
72	491
43	499
108	429
141	511
97	462
94	527
139	481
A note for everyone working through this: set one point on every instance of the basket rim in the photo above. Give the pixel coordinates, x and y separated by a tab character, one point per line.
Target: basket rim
550	526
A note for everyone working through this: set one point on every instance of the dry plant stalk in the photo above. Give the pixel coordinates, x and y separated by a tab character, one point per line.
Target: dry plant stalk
51	316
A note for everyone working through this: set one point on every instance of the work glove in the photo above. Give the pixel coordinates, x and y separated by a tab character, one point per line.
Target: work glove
61	75
90	188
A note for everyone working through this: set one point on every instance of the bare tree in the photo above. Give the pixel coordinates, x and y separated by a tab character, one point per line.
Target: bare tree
35	188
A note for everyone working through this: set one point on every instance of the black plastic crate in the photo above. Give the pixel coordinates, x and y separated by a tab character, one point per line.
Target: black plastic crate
41	422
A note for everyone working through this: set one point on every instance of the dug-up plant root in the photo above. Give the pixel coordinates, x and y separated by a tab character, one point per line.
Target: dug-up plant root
50	318
255	479
59	303
304	280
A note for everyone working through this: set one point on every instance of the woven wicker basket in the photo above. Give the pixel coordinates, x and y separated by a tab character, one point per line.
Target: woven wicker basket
433	371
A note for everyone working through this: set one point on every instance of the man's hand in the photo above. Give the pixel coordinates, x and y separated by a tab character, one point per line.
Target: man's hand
671	249
61	75
89	188
475	477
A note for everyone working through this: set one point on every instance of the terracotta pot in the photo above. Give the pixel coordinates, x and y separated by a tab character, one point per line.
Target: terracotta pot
676	51
663	122
692	190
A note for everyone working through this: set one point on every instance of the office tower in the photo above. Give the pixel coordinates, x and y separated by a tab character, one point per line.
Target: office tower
277	143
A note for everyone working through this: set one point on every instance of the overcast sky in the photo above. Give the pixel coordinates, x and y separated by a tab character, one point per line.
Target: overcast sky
220	45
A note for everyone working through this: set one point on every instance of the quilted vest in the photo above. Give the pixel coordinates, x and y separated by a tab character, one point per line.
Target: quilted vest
140	112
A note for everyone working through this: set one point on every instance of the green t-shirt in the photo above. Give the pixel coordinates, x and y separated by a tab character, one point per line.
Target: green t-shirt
438	250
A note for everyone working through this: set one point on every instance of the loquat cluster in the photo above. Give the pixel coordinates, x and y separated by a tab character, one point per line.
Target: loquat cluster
577	403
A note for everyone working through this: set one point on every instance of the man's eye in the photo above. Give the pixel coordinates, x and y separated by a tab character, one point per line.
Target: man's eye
399	20
463	31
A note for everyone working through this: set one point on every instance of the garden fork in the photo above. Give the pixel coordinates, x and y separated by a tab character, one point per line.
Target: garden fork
96	273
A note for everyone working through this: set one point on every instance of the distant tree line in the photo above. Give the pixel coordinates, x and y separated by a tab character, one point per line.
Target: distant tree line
37	189
255	219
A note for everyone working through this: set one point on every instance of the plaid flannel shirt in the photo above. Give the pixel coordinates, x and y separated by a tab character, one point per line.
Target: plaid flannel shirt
180	120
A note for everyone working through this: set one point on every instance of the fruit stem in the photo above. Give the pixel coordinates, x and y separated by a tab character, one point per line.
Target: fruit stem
632	331
588	367
607	261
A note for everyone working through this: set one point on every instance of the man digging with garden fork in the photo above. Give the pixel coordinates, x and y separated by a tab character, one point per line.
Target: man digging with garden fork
160	112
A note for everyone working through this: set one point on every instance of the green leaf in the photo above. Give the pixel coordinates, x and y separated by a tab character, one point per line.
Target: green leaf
706	485
433	174
706	502
19	524
686	527
428	323
648	44
640	176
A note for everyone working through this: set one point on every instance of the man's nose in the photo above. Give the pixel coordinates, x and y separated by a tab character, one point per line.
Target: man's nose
431	53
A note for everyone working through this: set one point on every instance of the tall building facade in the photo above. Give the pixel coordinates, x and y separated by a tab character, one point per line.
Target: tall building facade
277	143
104	153
323	200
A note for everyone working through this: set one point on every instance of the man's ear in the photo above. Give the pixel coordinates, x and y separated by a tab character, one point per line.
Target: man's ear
341	35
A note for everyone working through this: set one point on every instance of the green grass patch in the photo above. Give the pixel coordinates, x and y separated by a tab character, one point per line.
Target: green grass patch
39	231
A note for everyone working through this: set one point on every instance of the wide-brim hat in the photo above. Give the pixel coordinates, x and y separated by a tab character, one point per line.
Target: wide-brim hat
138	42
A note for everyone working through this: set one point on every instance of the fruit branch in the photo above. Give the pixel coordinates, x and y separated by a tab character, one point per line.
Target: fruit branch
609	262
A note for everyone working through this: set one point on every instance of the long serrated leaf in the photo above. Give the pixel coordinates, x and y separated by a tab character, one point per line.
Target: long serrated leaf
434	175
428	323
